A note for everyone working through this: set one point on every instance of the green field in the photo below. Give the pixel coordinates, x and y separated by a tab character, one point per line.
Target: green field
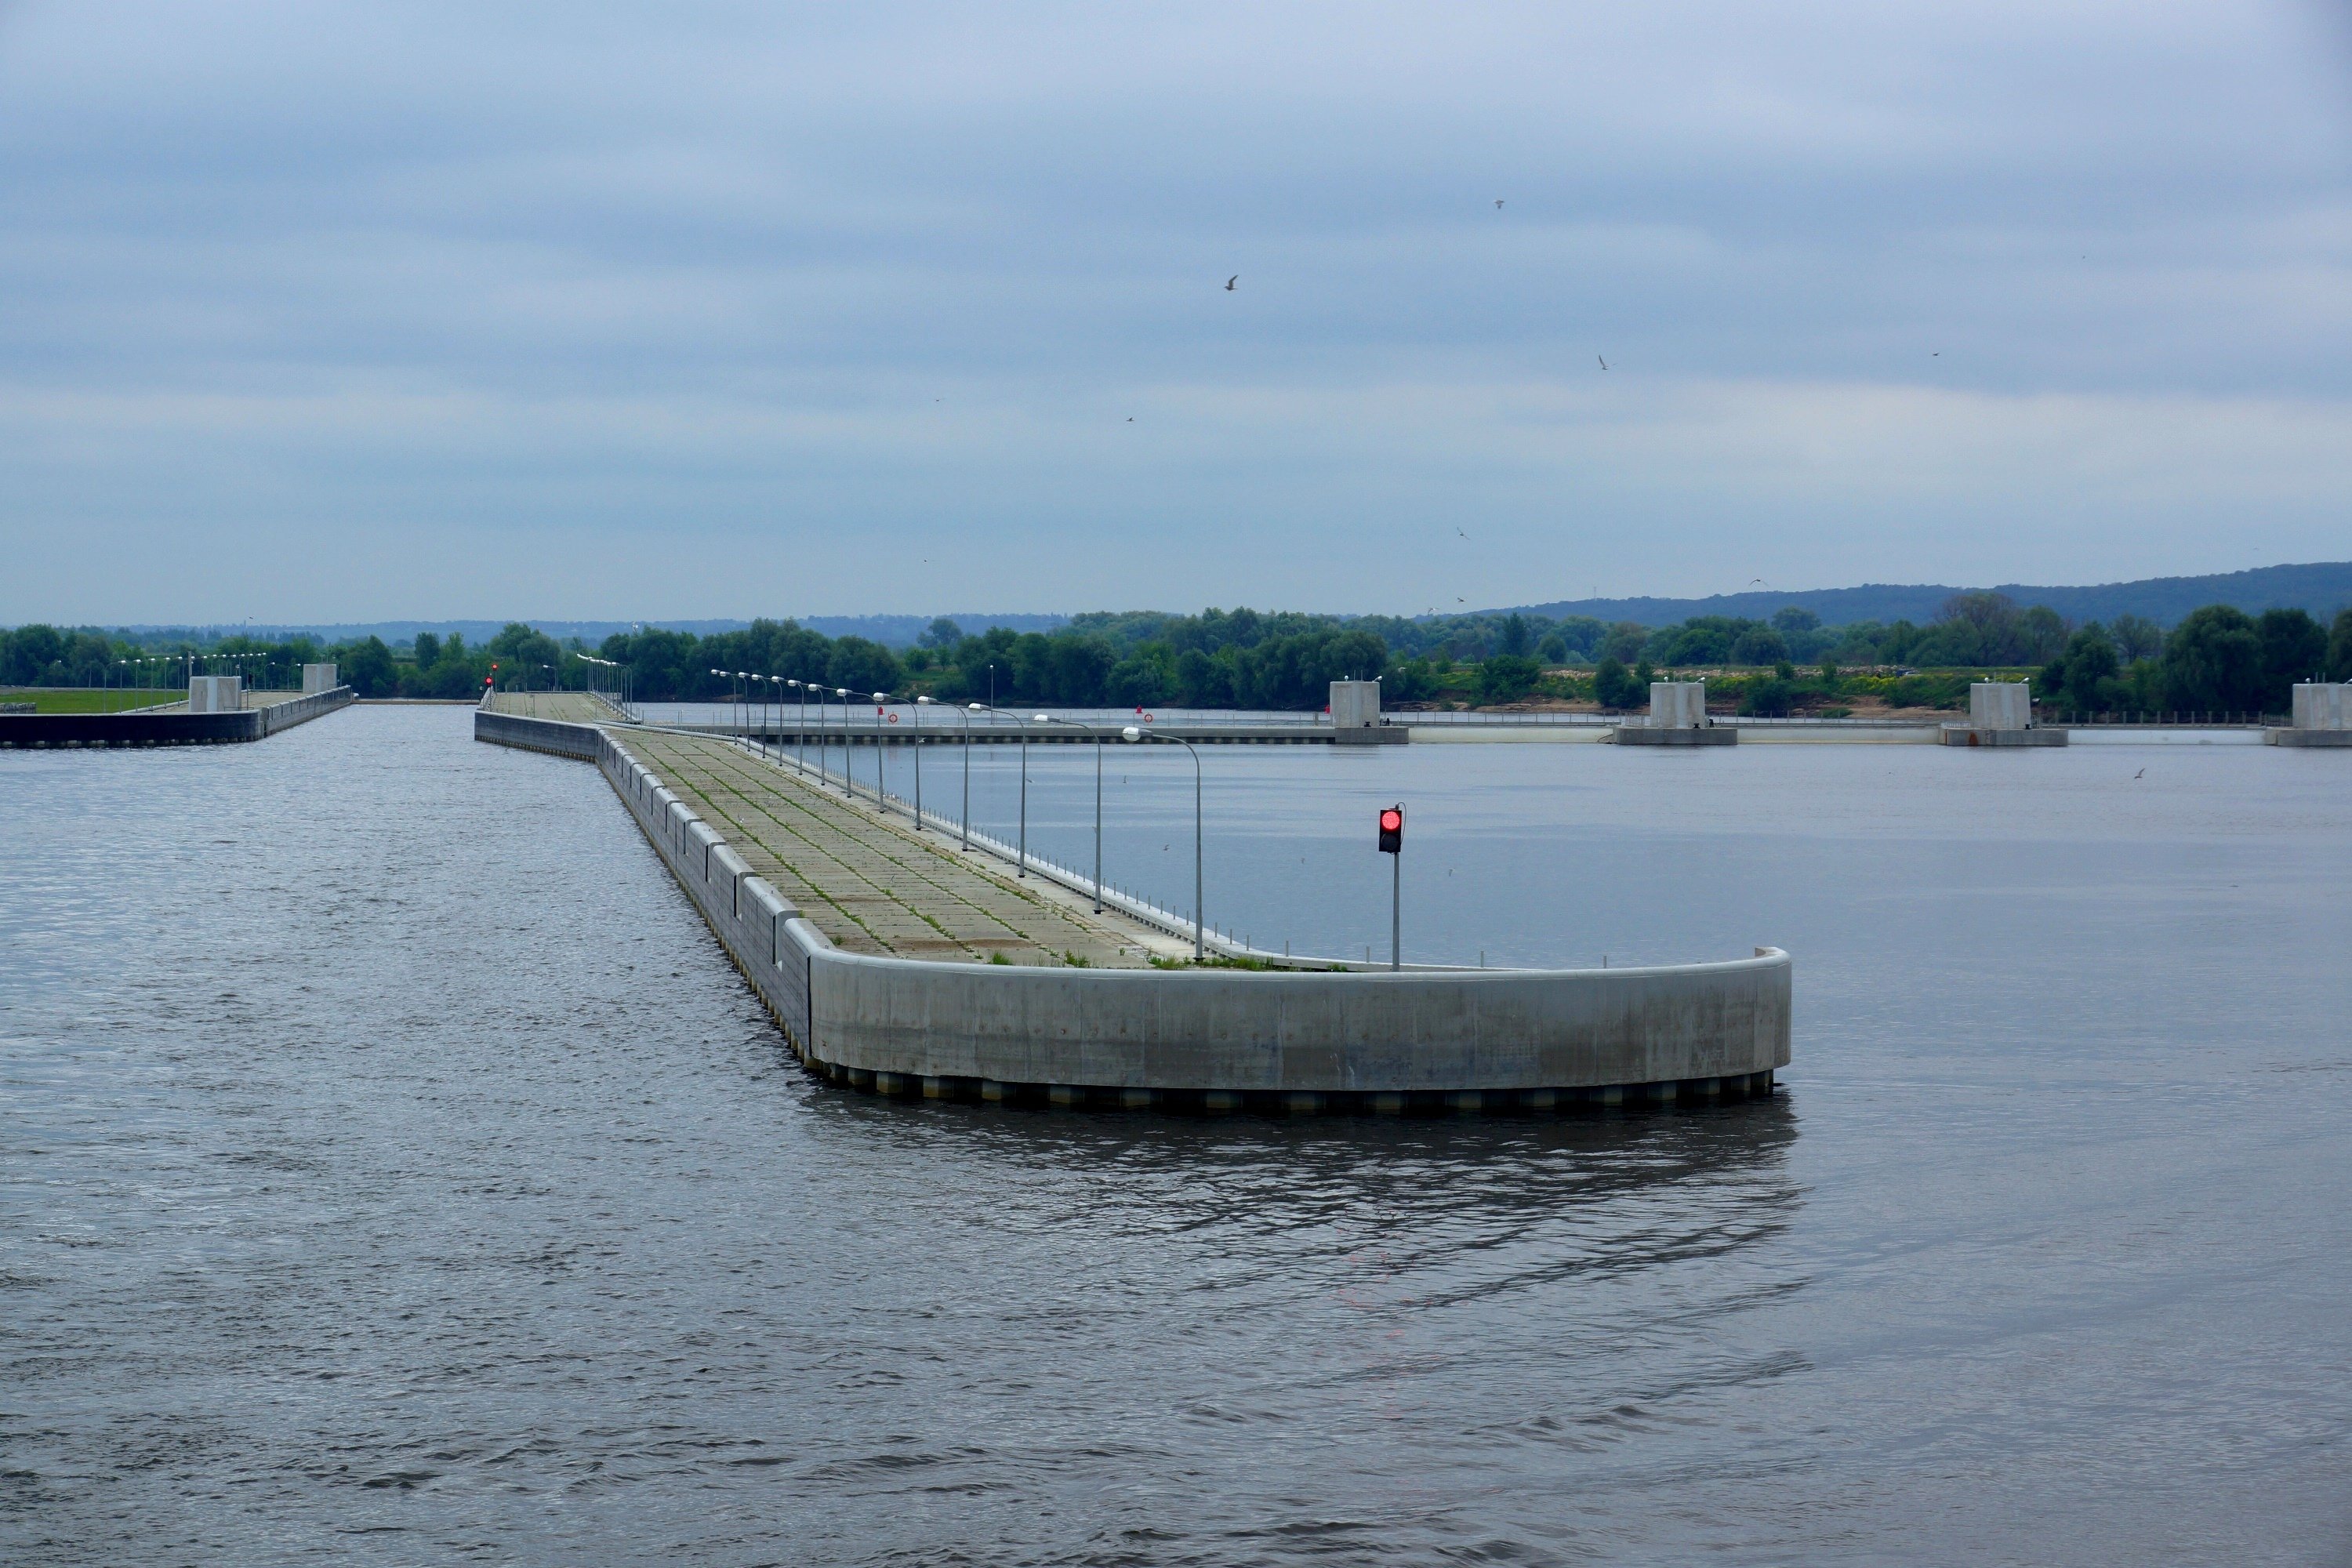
87	699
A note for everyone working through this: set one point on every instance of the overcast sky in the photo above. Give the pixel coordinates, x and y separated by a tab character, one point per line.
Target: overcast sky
315	313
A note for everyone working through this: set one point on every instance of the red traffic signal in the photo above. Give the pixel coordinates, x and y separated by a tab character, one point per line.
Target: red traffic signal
1392	829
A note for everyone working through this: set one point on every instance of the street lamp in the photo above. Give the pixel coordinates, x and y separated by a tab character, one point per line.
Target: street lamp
799	730
1133	734
842	692
921	703
1089	729
881	787
983	708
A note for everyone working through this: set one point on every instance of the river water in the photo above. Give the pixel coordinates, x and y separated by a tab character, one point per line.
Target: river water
393	1171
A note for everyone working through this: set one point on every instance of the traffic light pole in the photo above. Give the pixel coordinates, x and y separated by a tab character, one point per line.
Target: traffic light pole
1396	911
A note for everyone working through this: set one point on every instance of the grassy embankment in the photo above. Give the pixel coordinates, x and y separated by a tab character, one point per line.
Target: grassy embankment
87	699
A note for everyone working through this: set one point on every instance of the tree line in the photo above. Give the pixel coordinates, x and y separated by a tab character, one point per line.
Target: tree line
2216	658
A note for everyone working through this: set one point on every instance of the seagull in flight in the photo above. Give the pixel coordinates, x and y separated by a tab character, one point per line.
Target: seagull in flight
2140	774
1604	363
1498	204
1459	531
1231	281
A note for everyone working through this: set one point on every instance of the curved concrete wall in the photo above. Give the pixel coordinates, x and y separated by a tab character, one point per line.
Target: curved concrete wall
902	1022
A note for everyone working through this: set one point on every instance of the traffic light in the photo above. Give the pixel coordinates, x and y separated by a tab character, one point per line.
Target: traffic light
1392	829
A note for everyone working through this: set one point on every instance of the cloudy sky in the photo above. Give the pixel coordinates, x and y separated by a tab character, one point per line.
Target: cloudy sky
321	312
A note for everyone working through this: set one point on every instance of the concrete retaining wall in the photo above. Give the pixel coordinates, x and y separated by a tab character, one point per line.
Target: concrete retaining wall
1203	1037
177	727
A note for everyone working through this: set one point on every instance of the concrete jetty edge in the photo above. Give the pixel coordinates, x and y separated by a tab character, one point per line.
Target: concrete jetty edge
175	727
1209	1040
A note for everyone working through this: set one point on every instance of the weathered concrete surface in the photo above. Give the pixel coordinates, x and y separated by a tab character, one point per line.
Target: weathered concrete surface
216	693
872	884
1969	735
2000	705
1643	735
1467	1038
1354	704
2307	737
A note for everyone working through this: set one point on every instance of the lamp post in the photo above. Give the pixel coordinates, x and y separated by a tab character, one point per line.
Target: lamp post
965	715
842	692
800	729
881	786
1132	732
981	708
1090	729
914	713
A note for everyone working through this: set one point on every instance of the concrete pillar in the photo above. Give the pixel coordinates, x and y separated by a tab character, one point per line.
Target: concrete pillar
317	678
1678	705
2000	705
2323	706
1354	704
216	693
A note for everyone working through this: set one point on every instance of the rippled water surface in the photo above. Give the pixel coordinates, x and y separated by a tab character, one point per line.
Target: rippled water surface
394	1172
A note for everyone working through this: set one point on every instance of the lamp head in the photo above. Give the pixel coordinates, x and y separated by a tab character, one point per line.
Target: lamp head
881	697
976	707
1041	718
923	702
1131	733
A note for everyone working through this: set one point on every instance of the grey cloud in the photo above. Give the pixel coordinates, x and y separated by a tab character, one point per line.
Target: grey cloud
894	274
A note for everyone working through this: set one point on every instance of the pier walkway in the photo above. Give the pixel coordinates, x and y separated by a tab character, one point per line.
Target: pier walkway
874	885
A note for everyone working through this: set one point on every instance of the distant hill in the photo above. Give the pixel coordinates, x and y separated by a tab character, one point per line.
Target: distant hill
2322	587
896	631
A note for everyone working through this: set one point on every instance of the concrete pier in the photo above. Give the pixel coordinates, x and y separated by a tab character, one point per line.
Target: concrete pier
1677	718
2001	713
263	714
897	963
2321	716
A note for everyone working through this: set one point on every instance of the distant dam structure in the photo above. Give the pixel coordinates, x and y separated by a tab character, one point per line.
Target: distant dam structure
902	954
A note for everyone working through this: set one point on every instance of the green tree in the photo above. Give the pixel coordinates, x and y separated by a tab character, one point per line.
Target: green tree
367	669
1515	636
1506	677
2214	662
2084	673
1759	644
862	665
1767	697
2294	648
1614	688
2339	646
2137	636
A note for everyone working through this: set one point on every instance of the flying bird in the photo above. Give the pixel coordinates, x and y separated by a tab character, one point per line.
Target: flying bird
1498	204
1231	281
2140	774
1604	363
1464	535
